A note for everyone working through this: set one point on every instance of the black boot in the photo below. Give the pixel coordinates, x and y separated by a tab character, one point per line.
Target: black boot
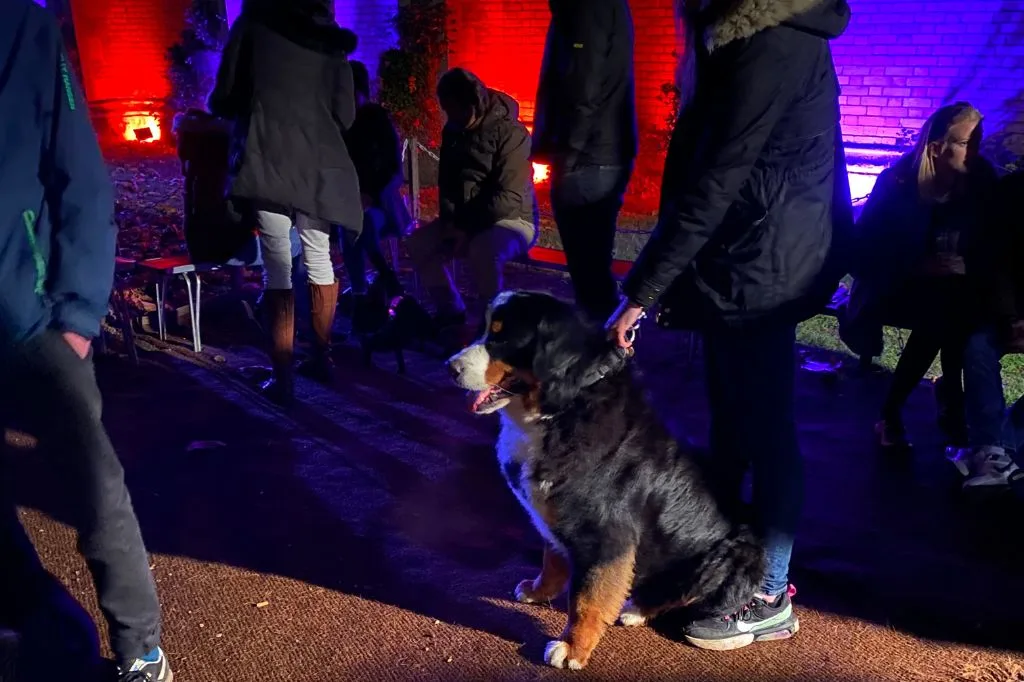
279	305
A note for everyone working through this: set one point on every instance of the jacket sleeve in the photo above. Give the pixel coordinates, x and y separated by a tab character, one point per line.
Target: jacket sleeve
998	252
501	194
742	111
870	228
384	161
343	104
80	201
586	28
227	99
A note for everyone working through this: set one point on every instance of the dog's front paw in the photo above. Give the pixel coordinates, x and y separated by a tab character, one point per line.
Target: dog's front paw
524	593
631	617
528	593
559	654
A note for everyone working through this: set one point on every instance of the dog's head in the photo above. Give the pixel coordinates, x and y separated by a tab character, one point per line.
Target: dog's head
534	348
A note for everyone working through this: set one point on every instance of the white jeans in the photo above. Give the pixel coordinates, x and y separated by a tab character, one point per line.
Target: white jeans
275	243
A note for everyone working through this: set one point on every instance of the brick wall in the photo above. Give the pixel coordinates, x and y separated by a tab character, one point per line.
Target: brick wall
372	20
123	46
901	59
502	41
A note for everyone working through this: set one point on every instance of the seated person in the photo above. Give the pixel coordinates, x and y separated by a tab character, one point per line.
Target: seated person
914	231
376	152
485	183
996	270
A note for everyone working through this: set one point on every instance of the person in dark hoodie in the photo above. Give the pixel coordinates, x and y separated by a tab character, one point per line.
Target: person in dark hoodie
57	240
377	155
585	129
485	185
286	82
995	272
745	233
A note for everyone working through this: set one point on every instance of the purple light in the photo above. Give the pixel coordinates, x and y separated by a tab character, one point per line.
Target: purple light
901	60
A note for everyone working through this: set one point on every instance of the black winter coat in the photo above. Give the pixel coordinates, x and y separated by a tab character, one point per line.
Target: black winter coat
996	264
746	217
485	174
586	98
285	81
376	151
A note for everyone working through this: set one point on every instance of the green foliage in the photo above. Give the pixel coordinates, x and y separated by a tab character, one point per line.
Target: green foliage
409	73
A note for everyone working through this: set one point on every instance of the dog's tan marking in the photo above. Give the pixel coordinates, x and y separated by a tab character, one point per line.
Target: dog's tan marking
550	583
496	326
591	610
496	372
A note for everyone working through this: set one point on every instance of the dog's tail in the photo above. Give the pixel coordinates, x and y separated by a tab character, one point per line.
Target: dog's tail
729	575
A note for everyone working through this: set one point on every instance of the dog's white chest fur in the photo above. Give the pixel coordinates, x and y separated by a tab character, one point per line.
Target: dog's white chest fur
519	444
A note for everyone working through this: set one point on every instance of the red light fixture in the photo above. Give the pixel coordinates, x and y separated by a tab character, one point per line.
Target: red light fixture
141	127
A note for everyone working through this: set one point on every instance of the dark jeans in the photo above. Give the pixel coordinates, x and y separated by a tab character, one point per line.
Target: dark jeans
54	394
988	425
751	376
586	203
355	252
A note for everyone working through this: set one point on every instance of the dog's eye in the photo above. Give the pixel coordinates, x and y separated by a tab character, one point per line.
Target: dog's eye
496	327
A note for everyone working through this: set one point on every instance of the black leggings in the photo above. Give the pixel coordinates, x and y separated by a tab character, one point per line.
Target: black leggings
917	357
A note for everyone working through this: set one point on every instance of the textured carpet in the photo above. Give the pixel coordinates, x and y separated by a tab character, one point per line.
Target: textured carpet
368	536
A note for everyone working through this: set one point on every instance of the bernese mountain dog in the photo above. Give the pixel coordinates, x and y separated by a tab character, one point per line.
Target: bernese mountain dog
631	526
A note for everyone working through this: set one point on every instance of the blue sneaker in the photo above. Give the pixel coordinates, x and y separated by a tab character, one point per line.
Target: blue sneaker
758	621
150	668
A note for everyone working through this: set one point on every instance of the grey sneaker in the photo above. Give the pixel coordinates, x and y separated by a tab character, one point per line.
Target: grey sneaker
989	467
151	668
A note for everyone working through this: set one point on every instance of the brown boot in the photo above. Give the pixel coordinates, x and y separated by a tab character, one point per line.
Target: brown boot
323	301
280	310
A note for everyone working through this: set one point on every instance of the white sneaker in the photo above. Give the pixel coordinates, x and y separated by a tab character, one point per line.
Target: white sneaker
990	467
961	458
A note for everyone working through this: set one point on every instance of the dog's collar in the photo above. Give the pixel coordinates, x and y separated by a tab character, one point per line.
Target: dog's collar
613	361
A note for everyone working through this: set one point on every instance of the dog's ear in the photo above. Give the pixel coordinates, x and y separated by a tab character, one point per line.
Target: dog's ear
558	359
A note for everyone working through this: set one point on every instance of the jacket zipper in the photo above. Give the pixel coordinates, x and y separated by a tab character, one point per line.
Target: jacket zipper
29	219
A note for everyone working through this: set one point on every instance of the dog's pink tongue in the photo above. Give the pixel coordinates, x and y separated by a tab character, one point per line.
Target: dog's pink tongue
477	398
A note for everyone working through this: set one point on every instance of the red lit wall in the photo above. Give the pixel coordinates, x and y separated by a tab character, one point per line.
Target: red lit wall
123	46
502	41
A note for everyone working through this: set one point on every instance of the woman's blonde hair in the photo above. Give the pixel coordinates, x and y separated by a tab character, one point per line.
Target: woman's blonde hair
936	133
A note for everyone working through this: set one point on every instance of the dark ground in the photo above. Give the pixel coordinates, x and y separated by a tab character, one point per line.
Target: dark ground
368	535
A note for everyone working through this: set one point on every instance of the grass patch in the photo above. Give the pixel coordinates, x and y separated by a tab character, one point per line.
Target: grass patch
823	332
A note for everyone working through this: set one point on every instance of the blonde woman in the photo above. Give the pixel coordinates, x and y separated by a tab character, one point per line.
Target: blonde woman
914	233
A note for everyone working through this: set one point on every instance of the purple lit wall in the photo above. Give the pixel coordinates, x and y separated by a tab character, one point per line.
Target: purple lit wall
370	19
901	59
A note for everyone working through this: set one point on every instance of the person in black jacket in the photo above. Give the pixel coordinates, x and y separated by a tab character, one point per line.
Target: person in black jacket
995	270
745	233
377	155
585	129
914	234
285	81
485	185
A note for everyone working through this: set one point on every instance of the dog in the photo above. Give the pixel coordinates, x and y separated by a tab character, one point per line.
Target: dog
624	510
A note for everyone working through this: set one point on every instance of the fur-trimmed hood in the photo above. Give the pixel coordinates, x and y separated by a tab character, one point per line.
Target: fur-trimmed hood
727	21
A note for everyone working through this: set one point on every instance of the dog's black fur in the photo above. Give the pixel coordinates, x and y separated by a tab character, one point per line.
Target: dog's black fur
612	479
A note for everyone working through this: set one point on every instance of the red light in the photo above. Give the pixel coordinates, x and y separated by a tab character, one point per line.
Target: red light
143	128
